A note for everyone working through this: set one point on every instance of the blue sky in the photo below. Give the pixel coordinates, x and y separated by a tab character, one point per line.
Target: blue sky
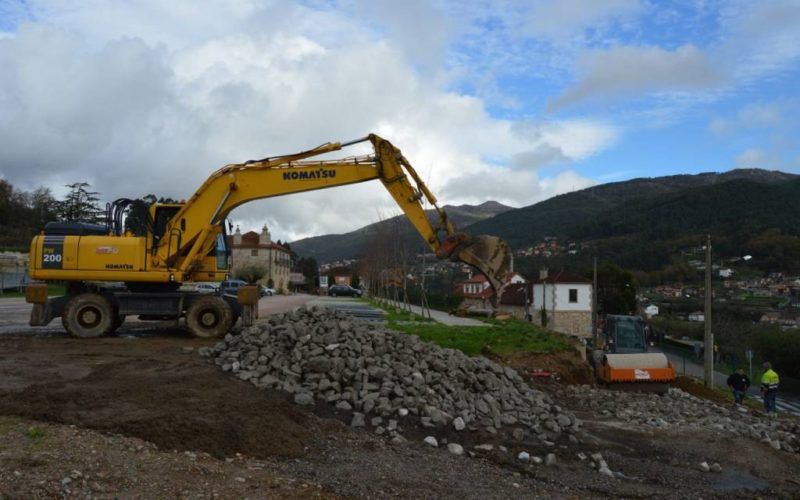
509	100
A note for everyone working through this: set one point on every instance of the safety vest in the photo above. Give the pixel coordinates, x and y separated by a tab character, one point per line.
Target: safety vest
769	380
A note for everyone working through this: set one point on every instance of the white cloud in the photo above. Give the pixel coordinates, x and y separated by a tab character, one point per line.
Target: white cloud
751	116
761	38
560	20
134	106
509	186
759	158
638	70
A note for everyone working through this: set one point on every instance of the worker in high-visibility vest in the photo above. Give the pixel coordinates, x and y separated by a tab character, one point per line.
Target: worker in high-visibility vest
769	388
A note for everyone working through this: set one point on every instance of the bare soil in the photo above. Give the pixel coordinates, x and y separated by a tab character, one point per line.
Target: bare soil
147	417
566	367
151	389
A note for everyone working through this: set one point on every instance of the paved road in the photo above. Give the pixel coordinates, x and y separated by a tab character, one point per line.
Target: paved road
15	313
687	366
443	317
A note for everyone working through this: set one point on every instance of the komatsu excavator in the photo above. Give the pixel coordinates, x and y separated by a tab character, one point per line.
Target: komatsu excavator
113	272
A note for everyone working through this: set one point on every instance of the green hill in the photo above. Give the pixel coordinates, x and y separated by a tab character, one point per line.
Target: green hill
332	247
642	223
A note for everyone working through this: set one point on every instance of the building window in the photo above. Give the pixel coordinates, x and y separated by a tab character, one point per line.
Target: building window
573	295
254	252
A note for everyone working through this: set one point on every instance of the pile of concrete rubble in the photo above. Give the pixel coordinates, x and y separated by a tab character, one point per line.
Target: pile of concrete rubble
679	409
323	356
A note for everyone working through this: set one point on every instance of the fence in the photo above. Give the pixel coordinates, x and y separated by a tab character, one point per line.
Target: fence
13	278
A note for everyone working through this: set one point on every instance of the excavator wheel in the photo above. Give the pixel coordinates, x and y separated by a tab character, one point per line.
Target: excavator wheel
88	315
209	317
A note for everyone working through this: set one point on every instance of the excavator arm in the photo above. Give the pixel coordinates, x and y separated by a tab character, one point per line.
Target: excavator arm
198	223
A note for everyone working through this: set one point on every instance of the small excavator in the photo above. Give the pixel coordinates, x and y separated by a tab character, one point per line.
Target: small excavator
112	271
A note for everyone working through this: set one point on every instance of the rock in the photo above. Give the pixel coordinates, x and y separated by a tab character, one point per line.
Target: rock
398	439
606	471
582	456
187	349
550	459
524	456
431	441
704	467
775	444
304	398
317	354
455	448
344	405
358	420
483	447
715	467
537	460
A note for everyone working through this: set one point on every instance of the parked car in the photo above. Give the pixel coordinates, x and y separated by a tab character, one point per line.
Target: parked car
207	288
230	287
265	292
344	291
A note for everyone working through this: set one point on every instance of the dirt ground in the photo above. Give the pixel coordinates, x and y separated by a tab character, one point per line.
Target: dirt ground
147	417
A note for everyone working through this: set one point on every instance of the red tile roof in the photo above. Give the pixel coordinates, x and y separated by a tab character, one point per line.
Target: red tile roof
250	239
563	277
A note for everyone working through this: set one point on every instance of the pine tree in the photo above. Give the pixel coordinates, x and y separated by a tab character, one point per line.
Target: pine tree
81	205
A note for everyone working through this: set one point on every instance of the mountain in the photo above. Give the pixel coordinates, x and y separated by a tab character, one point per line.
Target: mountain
332	247
642	223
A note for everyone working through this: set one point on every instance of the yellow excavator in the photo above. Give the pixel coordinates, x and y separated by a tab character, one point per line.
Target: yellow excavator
113	272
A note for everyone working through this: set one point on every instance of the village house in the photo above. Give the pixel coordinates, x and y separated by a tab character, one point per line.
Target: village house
476	292
252	247
563	301
651	310
697	316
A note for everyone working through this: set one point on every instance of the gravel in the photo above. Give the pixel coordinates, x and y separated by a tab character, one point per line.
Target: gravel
323	356
680	410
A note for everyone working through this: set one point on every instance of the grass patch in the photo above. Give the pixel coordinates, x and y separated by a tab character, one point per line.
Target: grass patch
53	290
34	433
499	338
394	314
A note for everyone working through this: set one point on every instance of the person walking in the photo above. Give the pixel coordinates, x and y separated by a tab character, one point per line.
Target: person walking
739	383
769	389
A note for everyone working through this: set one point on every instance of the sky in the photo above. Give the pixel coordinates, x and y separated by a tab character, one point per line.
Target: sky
506	100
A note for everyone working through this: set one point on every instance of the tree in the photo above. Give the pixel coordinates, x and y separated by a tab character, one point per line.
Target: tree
80	204
616	292
355	281
251	272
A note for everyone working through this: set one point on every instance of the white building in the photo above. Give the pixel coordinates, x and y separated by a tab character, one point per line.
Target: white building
252	247
564	302
726	273
651	310
697	316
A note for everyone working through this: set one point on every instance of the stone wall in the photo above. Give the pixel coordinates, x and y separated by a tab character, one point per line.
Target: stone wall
572	322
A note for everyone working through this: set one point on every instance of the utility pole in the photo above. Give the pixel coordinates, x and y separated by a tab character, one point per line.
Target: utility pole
594	306
709	335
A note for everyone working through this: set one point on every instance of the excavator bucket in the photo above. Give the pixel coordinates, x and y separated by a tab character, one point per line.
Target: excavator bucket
489	254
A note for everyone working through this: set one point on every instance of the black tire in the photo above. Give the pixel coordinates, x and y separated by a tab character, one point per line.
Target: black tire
209	317
119	319
88	315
